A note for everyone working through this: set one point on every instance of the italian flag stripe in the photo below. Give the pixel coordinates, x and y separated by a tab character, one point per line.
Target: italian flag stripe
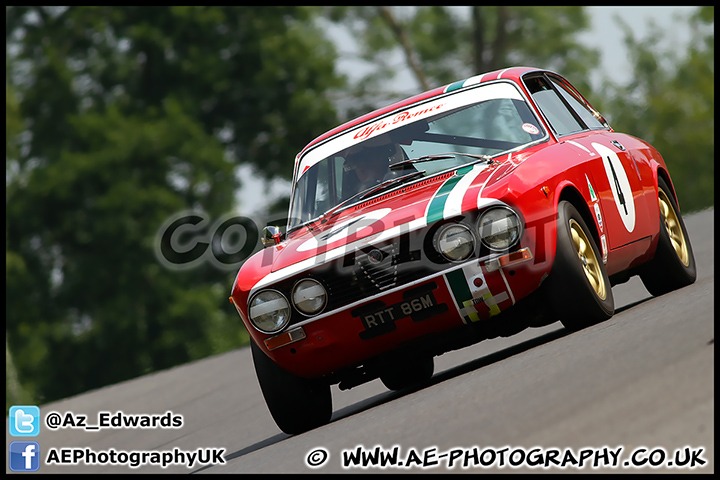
454	86
437	204
458	285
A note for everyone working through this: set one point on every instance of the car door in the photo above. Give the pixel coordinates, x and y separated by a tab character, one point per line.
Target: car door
613	177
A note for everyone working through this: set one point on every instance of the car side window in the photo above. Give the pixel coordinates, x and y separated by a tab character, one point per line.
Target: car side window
555	110
580	108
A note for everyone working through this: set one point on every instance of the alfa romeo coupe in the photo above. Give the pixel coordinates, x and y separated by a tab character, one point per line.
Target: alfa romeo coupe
471	211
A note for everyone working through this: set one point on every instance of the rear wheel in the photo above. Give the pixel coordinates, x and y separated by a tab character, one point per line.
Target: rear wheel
673	265
296	404
578	288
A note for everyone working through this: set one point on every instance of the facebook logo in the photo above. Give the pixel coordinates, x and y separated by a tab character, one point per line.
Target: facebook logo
24	456
24	421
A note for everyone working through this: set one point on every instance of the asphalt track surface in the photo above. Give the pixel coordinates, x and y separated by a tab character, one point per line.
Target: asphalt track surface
641	383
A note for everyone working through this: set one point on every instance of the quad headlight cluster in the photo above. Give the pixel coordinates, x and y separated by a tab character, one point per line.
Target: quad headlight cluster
499	228
455	242
270	311
309	296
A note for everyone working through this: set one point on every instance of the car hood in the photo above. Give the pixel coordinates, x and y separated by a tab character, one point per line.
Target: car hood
411	207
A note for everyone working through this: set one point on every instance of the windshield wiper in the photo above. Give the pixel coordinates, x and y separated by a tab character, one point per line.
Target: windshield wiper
388	183
443	156
367	192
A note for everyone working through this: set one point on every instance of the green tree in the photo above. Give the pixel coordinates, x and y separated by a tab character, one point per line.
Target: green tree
669	101
254	77
117	119
439	45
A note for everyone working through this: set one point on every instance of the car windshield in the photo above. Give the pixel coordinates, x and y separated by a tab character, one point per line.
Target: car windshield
442	134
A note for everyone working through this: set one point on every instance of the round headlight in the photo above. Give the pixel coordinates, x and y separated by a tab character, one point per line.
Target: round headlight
269	311
309	296
499	228
455	242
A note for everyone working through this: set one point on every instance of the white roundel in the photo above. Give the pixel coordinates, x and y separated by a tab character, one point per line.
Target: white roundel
530	128
619	184
345	229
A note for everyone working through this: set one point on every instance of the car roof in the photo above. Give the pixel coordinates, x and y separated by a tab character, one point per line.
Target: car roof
511	73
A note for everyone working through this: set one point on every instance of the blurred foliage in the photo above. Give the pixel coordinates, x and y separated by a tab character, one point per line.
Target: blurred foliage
116	119
670	102
440	45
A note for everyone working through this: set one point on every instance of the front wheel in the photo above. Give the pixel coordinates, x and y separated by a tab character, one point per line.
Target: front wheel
296	404
673	265
578	288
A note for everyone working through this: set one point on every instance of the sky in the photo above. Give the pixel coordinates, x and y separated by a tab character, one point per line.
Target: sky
605	34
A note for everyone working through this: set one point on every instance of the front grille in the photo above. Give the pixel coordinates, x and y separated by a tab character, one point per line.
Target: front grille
373	269
370	271
379	266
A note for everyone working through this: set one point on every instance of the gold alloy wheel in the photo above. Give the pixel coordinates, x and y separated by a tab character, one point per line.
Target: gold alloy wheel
672	225
589	260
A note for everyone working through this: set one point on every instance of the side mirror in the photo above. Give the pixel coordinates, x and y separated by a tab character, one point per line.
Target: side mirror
270	236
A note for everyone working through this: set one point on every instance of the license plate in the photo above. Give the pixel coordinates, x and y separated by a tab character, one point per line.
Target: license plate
379	318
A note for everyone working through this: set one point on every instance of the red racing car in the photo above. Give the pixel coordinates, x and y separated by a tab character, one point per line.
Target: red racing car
464	213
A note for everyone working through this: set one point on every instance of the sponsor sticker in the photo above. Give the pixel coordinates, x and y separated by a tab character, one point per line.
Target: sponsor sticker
598	216
593	197
530	128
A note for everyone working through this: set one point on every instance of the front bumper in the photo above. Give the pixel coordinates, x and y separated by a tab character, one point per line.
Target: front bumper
463	294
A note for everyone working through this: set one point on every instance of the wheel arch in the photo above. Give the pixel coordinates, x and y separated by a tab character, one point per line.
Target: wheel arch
662	173
571	194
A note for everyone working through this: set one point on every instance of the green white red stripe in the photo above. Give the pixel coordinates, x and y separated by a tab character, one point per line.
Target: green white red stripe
469	288
448	199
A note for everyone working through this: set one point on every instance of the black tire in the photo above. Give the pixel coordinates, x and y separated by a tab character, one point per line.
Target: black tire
408	372
296	404
673	265
578	289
